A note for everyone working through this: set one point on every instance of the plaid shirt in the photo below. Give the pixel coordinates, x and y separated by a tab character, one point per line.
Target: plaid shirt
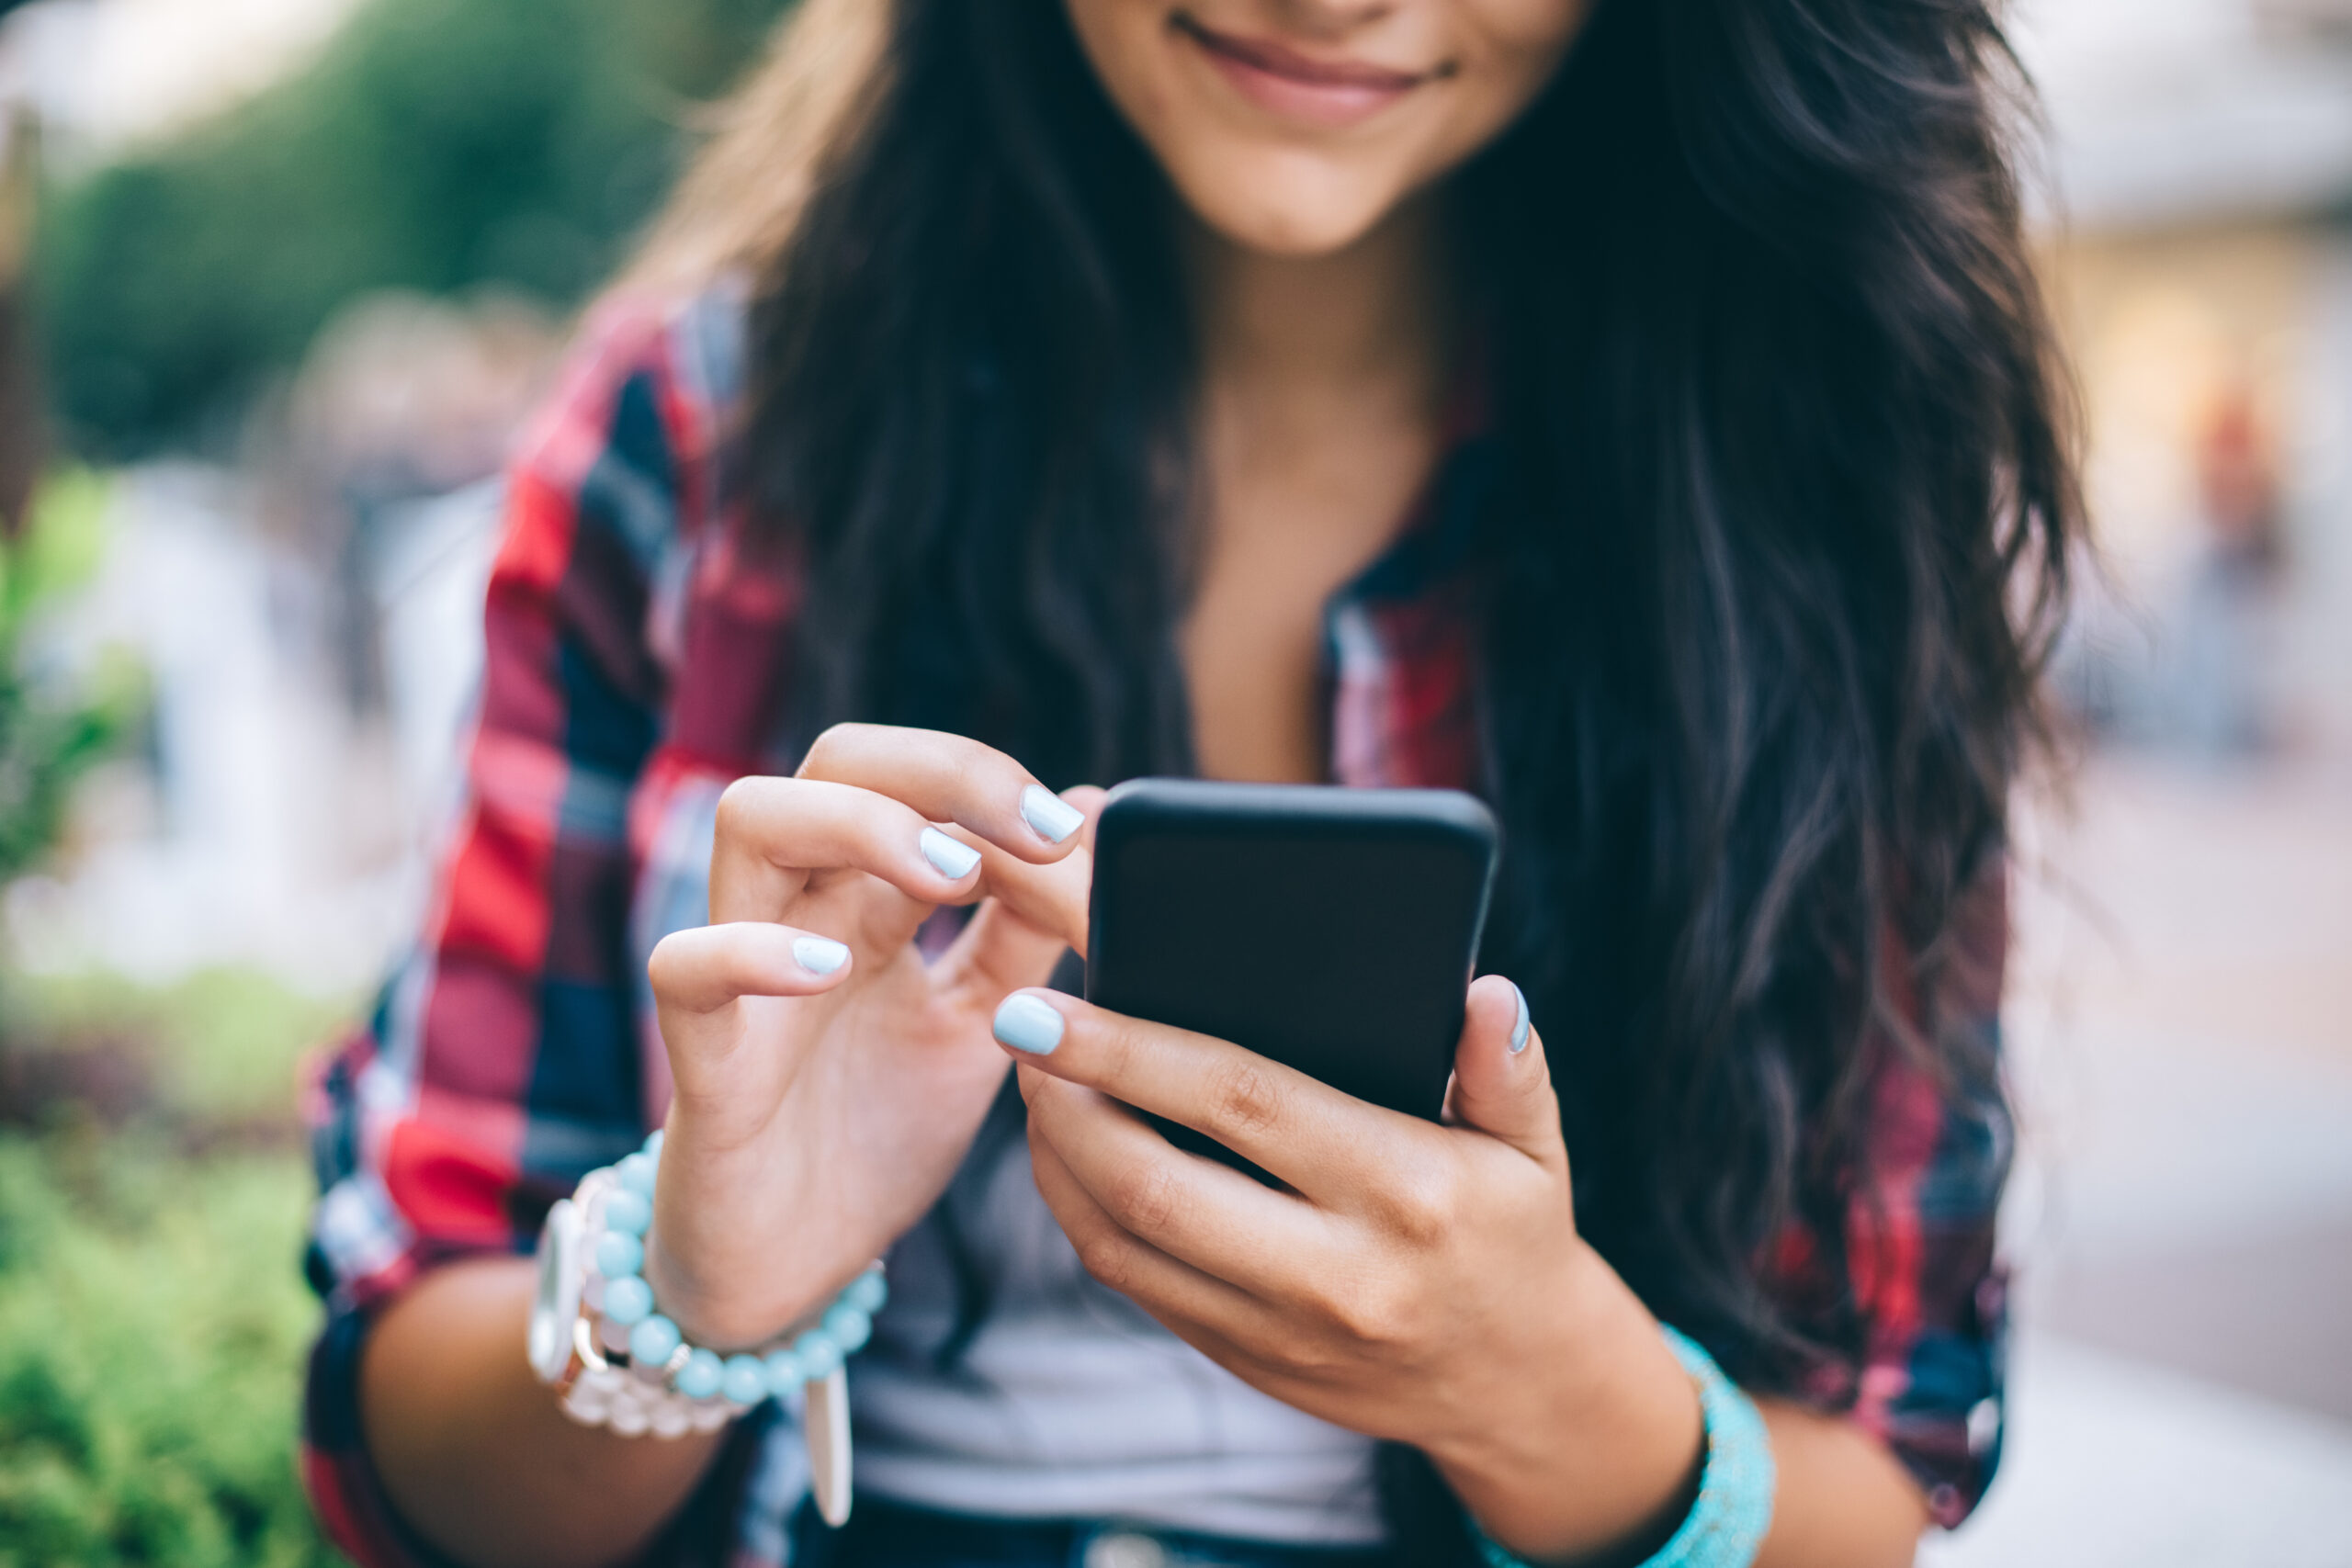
635	666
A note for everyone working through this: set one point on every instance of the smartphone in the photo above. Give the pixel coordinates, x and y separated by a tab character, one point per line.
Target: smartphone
1332	929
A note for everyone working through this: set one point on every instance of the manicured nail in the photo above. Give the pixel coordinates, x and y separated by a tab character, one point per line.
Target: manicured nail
1519	1029
1027	1024
954	859
1054	817
819	954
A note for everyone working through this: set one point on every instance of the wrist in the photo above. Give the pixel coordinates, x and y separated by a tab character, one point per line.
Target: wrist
597	1252
1599	1461
704	1316
730	1299
713	1256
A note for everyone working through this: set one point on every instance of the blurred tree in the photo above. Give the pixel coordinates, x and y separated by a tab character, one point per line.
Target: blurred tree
23	446
436	144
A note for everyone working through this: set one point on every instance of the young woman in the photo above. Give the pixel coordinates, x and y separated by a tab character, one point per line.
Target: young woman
1637	411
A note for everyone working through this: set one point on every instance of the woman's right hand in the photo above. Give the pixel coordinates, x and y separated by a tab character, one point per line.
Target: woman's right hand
819	1111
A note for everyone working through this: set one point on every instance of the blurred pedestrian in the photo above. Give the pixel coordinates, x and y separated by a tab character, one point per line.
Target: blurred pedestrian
1639	413
2221	628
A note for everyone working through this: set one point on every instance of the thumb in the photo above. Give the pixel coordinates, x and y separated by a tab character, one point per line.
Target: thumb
1502	1085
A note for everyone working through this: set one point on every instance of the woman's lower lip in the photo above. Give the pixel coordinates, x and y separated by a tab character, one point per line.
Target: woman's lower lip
1326	103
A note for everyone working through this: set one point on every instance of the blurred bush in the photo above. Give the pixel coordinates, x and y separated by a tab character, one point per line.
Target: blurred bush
152	1327
206	1062
152	1318
438	146
49	736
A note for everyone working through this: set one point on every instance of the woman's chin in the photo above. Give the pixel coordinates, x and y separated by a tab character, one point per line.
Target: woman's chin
1291	217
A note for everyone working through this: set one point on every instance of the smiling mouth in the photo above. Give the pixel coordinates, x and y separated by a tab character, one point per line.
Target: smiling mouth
1297	86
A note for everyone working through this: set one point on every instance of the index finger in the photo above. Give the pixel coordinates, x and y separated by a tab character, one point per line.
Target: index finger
950	778
1303	1131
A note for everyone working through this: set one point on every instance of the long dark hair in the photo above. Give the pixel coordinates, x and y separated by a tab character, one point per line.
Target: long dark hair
1779	545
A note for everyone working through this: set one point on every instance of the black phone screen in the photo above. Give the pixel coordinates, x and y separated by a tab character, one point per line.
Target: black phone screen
1331	930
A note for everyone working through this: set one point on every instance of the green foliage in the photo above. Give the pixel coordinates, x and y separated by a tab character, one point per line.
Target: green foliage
152	1317
151	1325
438	144
224	1044
47	737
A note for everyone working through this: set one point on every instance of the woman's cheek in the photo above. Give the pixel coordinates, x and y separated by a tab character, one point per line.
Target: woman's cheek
1511	50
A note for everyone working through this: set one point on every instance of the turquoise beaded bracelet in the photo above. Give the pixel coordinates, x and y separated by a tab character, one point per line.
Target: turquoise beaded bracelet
1726	1524
627	1302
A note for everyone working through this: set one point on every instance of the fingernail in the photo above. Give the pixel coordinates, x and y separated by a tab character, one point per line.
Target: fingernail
819	954
954	860
1519	1029
1053	818
1027	1024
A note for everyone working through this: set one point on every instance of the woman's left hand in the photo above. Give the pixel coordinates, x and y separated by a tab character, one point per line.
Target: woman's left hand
1418	1282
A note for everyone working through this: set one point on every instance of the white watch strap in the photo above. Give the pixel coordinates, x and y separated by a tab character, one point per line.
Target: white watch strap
825	1422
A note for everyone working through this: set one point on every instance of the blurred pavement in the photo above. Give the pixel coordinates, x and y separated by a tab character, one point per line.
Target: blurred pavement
2181	1037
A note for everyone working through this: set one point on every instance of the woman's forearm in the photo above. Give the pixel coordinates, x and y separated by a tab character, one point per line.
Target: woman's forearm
472	1448
1842	1500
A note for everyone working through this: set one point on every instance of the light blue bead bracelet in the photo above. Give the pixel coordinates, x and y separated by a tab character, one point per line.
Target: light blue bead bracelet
1726	1524
652	1340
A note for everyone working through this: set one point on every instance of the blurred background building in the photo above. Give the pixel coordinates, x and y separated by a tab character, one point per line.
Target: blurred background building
297	268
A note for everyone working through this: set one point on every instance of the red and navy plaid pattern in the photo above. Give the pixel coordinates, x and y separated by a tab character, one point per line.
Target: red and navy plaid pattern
635	665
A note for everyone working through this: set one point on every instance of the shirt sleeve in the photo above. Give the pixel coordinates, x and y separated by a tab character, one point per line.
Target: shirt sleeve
1928	1284
502	1061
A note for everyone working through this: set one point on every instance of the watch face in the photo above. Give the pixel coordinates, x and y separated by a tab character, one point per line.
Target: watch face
557	1306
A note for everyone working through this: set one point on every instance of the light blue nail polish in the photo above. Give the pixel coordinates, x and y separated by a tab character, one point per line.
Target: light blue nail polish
1027	1024
955	861
1519	1029
819	954
1053	818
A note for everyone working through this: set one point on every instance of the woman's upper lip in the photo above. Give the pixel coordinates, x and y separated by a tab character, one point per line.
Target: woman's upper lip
1277	60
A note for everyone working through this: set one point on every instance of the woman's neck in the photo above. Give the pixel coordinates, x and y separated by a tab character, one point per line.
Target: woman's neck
1305	345
1322	384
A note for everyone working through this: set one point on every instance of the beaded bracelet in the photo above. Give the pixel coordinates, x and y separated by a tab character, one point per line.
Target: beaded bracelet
1726	1524
630	1368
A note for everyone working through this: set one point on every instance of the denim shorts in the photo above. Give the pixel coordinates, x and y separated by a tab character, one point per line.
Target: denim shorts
882	1534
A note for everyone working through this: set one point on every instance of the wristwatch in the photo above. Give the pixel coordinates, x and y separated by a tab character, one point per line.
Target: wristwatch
556	1317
